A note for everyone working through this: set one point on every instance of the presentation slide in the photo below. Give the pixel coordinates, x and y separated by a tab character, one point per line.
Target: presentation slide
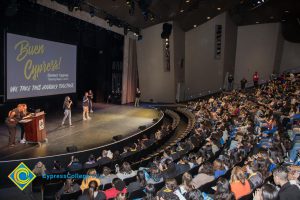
38	67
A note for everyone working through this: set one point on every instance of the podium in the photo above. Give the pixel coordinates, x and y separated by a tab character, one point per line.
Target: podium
34	127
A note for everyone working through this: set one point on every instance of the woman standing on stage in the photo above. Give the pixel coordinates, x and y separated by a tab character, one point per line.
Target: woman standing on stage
91	96
85	106
67	108
14	116
137	97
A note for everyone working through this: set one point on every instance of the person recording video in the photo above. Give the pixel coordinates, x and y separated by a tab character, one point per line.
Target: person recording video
67	110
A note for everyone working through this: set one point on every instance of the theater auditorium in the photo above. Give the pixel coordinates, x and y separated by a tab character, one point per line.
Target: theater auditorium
150	100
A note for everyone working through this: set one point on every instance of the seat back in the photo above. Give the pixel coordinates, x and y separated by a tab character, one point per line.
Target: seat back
138	194
51	189
71	196
129	180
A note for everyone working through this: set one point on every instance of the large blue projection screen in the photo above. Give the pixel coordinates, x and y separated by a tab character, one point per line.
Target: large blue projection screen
38	67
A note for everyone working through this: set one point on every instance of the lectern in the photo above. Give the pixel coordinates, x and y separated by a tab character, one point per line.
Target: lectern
35	130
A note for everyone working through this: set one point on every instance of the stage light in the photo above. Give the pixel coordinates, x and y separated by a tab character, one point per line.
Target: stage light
218	8
208	17
195	25
257	22
128	2
286	11
181	10
187	1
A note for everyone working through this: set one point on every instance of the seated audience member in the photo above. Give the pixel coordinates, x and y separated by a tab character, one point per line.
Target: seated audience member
150	192
120	196
57	168
104	159
293	175
68	187
39	169
92	192
223	191
106	176
91	162
126	171
118	186
74	165
155	175
171	170
168	191
218	168
238	183
126	152
91	176
266	192
187	183
255	178
117	155
287	190
204	176
138	184
183	165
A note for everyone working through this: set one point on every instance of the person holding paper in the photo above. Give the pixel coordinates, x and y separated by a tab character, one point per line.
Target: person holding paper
85	106
13	118
67	110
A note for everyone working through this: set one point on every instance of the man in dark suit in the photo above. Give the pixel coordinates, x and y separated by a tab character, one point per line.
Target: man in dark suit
287	190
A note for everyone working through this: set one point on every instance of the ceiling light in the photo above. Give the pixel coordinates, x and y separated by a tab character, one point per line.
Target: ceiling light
195	25
218	8
257	22
208	17
187	1
286	11
181	10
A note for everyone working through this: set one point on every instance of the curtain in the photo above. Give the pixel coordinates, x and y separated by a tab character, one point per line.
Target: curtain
130	71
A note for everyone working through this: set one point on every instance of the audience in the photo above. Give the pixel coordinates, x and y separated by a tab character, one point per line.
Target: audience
246	134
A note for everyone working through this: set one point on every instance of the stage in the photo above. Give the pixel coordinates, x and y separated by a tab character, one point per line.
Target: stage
107	121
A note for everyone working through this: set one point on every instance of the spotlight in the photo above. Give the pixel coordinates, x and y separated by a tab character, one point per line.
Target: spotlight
208	17
218	8
181	10
128	2
195	25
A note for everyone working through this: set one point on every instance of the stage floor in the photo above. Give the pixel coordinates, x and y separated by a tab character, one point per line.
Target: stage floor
107	121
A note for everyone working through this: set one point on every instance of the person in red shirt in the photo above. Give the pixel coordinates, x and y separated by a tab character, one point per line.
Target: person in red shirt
255	79
118	186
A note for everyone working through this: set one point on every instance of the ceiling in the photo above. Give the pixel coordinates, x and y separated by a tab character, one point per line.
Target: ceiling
189	13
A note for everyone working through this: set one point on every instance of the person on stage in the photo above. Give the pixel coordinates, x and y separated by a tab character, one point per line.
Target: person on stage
91	96
255	79
24	114
13	118
85	106
67	110
137	97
